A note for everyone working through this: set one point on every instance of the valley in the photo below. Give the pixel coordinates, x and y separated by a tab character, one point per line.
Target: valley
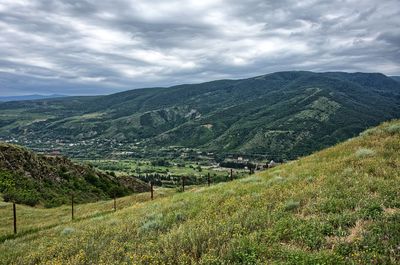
281	168
283	115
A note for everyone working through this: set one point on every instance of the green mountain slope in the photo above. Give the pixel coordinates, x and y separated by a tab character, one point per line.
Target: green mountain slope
285	114
337	206
28	178
397	78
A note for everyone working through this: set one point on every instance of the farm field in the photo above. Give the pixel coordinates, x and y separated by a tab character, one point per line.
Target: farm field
168	174
338	206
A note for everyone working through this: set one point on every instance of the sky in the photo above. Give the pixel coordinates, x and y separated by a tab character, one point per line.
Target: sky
91	47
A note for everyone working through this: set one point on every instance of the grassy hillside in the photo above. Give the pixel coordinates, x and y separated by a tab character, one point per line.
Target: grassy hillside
28	178
33	219
337	206
285	114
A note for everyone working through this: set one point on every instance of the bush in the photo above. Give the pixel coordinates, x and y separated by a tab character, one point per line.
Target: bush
393	129
30	198
243	251
372	211
67	231
371	131
160	163
364	152
292	205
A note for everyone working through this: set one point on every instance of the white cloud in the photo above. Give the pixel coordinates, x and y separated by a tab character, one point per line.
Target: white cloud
104	46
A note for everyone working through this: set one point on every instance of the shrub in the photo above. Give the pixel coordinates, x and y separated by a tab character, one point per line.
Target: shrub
292	205
364	152
393	129
153	222
311	234
344	248
30	198
372	211
275	180
67	231
337	205
243	251
371	131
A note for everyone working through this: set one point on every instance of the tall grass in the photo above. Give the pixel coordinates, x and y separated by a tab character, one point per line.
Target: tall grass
333	207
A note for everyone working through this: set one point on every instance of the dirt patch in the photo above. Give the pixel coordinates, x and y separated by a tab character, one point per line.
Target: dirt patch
391	211
355	233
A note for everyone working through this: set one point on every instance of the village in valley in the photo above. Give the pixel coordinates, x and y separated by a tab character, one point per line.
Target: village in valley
164	167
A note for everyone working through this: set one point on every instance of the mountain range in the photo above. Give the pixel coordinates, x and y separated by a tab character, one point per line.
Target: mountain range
29	97
289	114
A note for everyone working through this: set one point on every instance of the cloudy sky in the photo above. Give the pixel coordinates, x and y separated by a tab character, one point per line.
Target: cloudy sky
96	47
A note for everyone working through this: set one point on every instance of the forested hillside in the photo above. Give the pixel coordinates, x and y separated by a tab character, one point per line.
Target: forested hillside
286	113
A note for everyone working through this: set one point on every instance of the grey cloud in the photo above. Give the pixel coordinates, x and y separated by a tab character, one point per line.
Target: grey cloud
97	47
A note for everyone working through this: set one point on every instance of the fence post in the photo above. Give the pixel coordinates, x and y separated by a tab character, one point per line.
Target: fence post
72	207
151	190
115	203
183	183
231	174
15	217
208	179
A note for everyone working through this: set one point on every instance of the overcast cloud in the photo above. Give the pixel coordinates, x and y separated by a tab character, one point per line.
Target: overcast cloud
98	47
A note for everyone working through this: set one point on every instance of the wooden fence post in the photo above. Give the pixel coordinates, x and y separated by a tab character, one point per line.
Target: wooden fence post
208	179
72	206
151	190
115	203
15	217
183	183
231	174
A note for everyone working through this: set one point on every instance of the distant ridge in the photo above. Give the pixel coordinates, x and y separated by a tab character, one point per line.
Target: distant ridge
396	78
283	115
30	97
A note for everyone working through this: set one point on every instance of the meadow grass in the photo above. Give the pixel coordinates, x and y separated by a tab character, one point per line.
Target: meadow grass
333	207
33	219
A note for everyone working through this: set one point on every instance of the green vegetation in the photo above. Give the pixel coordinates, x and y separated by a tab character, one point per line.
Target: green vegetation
333	207
28	178
285	114
33	219
168	174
